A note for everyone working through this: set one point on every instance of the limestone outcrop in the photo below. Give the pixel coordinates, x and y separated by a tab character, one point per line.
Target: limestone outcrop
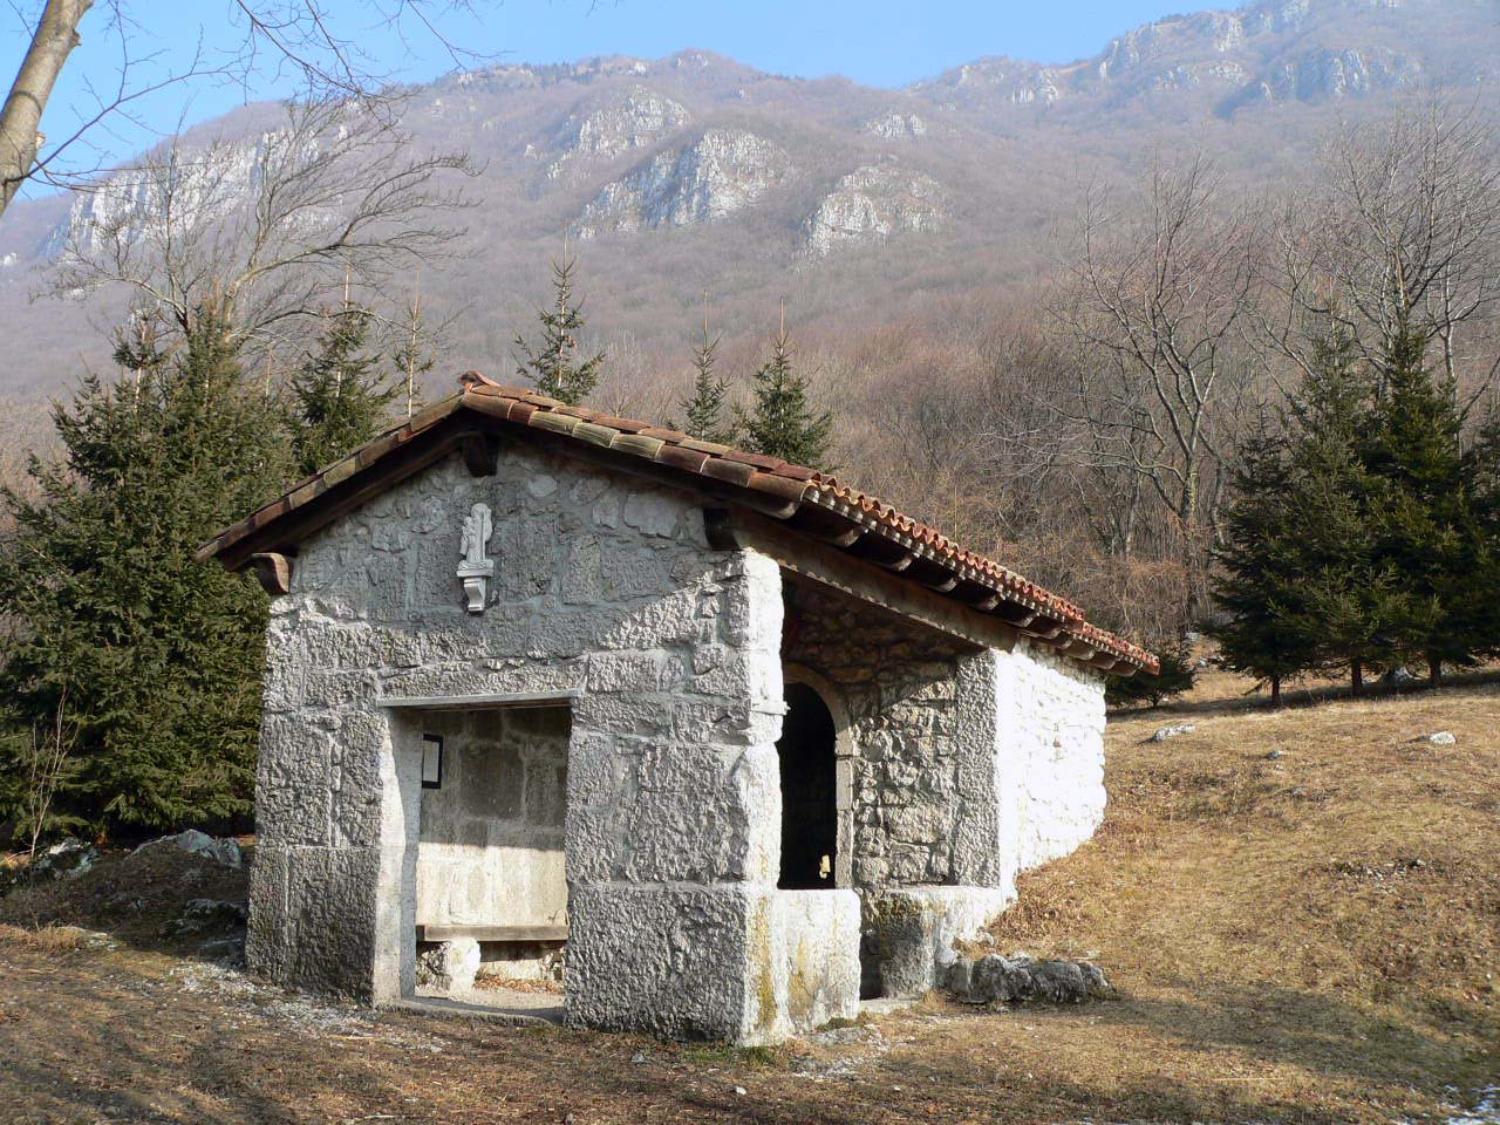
605	131
870	205
723	171
895	126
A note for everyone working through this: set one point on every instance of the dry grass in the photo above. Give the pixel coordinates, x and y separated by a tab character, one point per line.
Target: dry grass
45	939
1310	938
1316	933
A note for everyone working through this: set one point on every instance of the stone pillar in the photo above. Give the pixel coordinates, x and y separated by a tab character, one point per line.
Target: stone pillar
321	856
673	832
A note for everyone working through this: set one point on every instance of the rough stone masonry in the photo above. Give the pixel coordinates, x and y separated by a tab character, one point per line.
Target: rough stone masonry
608	721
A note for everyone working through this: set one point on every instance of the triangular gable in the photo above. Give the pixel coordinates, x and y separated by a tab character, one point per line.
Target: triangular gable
815	505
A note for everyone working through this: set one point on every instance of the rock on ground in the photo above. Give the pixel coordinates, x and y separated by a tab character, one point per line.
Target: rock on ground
1165	733
225	851
1021	979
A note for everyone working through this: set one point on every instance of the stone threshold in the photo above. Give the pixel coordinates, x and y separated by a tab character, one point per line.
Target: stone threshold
518	1009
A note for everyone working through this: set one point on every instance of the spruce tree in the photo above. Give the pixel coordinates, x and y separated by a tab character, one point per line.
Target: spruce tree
554	364
1427	534
703	413
339	396
1481	609
1266	633
1351	599
155	656
783	423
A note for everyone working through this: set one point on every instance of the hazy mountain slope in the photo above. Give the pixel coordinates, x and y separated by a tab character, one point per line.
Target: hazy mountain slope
695	175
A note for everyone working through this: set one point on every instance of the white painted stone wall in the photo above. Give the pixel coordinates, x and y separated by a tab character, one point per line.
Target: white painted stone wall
970	765
1050	764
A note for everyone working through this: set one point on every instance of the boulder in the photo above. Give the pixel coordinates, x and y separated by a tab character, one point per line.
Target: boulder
1165	733
449	966
1399	676
66	859
202	915
993	979
225	852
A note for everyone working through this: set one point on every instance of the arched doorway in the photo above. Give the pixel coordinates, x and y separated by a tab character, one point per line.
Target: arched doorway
809	791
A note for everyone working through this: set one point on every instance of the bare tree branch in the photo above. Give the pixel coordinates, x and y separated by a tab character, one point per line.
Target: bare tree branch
279	38
267	232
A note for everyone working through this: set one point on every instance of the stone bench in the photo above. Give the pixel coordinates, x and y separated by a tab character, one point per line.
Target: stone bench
454	960
492	933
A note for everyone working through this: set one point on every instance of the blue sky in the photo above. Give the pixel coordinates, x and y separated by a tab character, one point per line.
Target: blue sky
877	42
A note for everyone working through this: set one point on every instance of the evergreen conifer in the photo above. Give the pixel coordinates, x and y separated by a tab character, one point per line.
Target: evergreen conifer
1259	588
339	396
783	422
554	364
1427	535
703	413
1351	600
158	656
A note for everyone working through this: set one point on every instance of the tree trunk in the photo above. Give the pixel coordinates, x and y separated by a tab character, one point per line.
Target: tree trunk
56	36
1275	691
1357	677
1434	670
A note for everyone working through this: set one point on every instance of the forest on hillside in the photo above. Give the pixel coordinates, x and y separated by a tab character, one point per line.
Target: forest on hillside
1269	414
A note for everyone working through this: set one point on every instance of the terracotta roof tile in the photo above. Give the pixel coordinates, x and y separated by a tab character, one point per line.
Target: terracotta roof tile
596	435
732	471
688	460
792	485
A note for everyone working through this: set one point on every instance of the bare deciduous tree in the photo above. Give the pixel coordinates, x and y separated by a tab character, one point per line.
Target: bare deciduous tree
275	38
1155	304
1400	231
48	763
268	233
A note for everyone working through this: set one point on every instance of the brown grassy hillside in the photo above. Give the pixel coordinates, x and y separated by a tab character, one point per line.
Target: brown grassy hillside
1311	937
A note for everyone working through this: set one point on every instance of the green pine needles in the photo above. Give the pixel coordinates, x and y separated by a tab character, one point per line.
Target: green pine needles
340	397
131	676
1359	534
705	412
151	660
554	363
782	421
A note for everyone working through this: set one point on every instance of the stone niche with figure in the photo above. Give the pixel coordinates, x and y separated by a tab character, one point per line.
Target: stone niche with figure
716	744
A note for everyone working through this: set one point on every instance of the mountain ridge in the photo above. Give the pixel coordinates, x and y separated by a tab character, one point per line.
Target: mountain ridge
696	174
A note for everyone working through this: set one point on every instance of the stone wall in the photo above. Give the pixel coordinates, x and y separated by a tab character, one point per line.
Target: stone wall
490	846
1050	768
968	766
607	592
898	682
967	763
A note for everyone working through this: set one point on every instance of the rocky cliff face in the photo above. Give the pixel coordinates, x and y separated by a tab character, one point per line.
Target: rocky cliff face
871	204
1322	73
635	120
895	126
203	184
724	171
1269	52
998	80
755	172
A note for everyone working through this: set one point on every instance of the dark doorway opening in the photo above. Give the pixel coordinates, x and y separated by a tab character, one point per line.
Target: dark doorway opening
809	792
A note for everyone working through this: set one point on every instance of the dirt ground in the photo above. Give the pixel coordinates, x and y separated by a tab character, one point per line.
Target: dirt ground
1300	909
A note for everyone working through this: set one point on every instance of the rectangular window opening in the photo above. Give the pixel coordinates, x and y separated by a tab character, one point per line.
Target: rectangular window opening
432	761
